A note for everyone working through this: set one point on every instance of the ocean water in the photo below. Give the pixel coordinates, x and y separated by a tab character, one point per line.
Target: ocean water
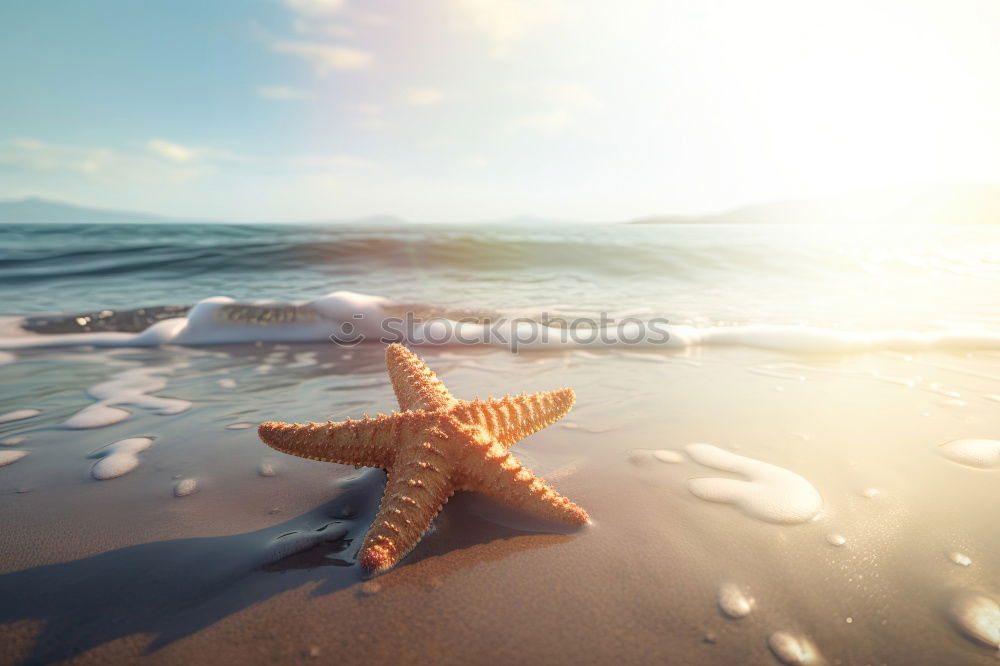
804	470
841	280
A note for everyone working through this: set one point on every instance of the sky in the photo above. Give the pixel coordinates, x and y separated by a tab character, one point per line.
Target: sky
467	110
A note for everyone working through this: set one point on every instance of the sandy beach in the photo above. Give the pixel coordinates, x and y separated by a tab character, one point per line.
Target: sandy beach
98	571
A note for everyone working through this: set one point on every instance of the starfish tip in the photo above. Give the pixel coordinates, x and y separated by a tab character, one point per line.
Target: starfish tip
376	559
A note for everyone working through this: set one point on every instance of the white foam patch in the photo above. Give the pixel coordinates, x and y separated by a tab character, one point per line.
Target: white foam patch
773	493
793	649
240	426
7	357
185	487
837	540
979	453
266	469
9	457
19	415
119	458
977	617
368	319
129	387
12	441
733	601
961	559
668	456
227	383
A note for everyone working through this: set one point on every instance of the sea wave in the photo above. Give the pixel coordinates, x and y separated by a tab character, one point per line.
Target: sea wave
350	318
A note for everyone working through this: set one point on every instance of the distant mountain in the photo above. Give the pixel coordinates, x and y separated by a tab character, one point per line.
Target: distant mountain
42	211
33	210
921	204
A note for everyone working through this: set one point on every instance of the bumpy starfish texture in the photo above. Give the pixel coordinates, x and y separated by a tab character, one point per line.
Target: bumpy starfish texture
436	446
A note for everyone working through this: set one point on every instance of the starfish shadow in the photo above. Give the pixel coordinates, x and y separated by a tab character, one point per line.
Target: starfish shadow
171	589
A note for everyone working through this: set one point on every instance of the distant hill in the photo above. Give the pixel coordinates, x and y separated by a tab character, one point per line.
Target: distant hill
43	211
929	204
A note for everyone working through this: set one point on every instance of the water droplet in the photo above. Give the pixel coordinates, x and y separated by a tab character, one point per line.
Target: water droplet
835	539
240	426
871	493
976	616
369	588
793	649
849	620
733	601
961	559
266	469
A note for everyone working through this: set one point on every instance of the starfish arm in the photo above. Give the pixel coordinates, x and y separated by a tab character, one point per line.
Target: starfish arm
370	442
512	418
414	493
502	477
416	386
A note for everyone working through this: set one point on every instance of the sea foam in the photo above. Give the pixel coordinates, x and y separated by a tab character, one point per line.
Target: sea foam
773	493
119	458
129	387
345	316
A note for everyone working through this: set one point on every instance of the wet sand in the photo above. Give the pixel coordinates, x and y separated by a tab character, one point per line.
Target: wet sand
114	570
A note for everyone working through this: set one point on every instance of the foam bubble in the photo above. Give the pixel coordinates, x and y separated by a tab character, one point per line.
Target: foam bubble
836	540
980	453
11	457
185	487
668	456
793	649
96	416
243	425
266	469
119	458
733	601
871	493
976	616
227	383
19	414
961	559
12	441
129	387
773	493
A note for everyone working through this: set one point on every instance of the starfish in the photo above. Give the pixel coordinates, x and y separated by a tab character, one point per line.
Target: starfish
435	446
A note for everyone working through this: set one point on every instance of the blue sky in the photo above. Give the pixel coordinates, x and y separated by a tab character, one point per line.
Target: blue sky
449	110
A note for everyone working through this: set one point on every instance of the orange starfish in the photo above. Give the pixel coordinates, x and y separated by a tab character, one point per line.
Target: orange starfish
437	445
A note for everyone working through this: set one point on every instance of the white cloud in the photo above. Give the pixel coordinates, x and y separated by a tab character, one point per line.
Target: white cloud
171	151
282	93
367	116
545	121
325	57
504	22
422	96
326	162
315	7
98	163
